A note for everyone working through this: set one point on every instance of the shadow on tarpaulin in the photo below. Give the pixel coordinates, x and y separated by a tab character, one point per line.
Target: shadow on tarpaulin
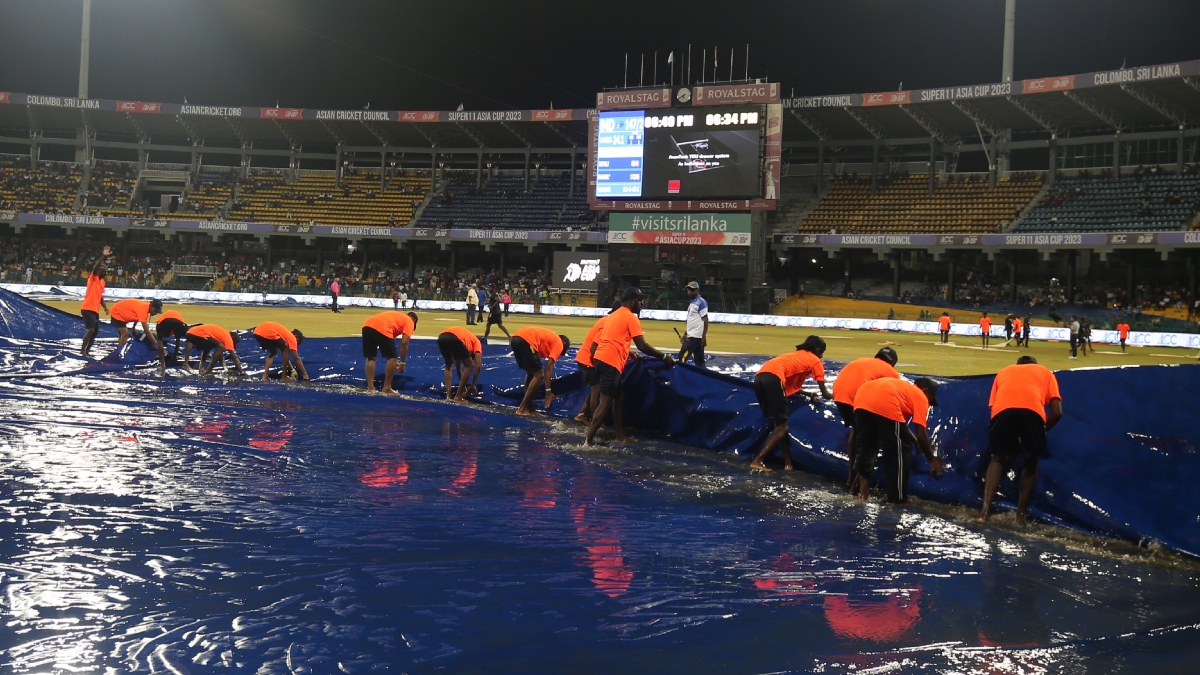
1123	462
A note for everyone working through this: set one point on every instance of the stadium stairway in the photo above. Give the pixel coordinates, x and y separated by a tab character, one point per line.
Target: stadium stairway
1122	462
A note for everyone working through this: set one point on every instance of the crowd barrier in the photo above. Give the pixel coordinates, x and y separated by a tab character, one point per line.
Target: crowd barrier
1040	333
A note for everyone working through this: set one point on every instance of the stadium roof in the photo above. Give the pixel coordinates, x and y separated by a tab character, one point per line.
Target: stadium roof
1149	98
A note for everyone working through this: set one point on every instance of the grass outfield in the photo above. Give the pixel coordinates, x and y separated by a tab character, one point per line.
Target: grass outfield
918	353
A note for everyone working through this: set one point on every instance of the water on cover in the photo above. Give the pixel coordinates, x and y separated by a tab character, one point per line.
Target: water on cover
166	524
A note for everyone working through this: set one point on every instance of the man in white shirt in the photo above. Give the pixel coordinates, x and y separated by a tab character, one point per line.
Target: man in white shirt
472	304
695	339
1074	326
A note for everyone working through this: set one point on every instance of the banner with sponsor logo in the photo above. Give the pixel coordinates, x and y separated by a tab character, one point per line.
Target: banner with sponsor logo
1002	89
736	93
1034	240
707	229
634	99
684	205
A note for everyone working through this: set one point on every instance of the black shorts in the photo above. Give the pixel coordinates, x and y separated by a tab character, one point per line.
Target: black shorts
768	389
90	319
170	327
271	346
847	412
495	319
609	378
589	375
452	348
1017	431
875	434
527	360
375	342
119	324
204	344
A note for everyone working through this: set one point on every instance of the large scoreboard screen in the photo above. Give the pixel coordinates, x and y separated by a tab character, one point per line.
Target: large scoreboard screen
683	153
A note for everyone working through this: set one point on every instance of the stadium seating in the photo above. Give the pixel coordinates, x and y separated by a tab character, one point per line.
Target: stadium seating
267	196
903	204
110	188
51	188
1142	202
504	203
210	193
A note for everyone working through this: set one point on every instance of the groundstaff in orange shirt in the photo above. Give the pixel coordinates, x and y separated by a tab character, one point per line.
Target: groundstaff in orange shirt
462	350
211	339
1020	396
852	376
587	367
530	345
274	338
93	302
379	333
882	409
621	329
779	378
134	311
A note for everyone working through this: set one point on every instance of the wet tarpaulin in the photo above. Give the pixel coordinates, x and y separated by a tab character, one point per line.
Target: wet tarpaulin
1123	461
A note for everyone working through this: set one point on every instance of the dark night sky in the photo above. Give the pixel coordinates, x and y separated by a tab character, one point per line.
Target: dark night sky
488	54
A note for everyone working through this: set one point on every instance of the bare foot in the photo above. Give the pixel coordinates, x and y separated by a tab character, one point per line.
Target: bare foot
389	391
581	418
982	518
789	467
522	411
759	466
1022	518
621	438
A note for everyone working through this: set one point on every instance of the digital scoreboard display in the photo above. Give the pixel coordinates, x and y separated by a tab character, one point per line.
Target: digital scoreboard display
692	153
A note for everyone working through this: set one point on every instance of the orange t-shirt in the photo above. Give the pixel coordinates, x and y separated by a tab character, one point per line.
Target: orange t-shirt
985	325
391	324
894	399
171	314
794	368
1029	386
211	330
466	337
94	294
584	356
944	322
269	330
1017	325
130	310
1123	330
544	342
858	372
620	328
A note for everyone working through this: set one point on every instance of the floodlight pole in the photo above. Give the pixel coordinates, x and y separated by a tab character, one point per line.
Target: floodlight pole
85	44
1010	20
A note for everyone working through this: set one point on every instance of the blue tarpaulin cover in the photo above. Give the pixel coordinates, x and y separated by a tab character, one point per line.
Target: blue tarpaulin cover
1122	462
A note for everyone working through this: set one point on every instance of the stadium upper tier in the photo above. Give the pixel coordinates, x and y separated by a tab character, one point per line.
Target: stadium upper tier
268	196
505	203
50	188
1143	202
903	204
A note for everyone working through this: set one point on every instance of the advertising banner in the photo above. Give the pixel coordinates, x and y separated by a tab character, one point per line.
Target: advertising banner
634	99
1034	240
579	270
736	93
707	229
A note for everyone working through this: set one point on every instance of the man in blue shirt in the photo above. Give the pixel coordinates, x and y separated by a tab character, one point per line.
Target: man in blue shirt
695	339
